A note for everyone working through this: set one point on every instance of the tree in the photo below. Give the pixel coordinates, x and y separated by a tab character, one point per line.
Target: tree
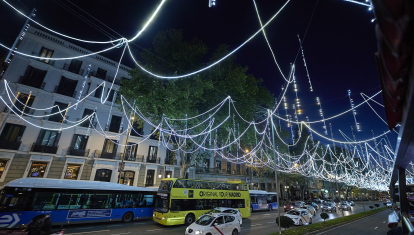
324	216
377	205
190	96
371	207
285	222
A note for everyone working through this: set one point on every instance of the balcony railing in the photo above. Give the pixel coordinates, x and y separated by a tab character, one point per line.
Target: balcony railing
78	152
44	149
106	78
100	154
219	171
63	91
66	67
153	160
131	157
12	145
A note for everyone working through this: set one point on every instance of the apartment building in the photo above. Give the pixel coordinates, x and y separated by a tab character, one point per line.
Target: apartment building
37	148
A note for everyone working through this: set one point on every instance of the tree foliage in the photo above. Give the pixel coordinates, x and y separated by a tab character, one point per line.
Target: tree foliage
324	216
177	98
285	222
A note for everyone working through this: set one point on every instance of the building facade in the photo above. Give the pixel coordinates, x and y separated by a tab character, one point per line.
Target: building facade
40	149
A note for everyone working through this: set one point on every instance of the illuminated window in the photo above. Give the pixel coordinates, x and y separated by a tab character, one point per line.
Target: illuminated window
37	169
127	178
72	172
3	164
45	53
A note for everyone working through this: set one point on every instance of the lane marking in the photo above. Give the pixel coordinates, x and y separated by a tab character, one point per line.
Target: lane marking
125	233
152	230
91	232
375	227
383	222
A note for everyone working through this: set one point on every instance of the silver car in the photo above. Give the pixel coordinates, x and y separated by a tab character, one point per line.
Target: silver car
344	205
328	206
310	209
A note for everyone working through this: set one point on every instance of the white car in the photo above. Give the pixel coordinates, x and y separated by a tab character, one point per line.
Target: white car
227	211
310	209
300	216
212	224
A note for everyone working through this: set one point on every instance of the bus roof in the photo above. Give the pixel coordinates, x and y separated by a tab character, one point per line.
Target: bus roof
260	192
73	184
230	182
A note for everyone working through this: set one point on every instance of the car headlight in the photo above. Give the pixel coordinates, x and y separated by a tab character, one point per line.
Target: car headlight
198	232
291	207
164	217
329	207
153	214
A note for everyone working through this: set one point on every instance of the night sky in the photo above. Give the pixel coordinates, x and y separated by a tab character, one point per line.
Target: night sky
339	45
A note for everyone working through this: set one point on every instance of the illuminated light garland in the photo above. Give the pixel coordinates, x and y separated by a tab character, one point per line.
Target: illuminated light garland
321	114
304	62
353	111
215	63
359	3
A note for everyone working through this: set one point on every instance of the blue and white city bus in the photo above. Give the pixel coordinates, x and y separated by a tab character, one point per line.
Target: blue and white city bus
73	201
262	200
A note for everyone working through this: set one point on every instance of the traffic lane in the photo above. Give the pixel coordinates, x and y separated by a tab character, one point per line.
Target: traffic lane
374	225
262	222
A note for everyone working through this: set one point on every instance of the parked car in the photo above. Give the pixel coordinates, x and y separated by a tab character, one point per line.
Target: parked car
211	223
351	203
314	205
310	209
226	211
299	216
328	206
344	205
293	205
317	200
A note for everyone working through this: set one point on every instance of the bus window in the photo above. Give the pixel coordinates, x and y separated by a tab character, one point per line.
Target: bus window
180	184
243	187
192	184
222	203
14	201
176	205
45	201
225	187
205	185
253	199
216	186
234	187
101	201
149	200
68	201
165	185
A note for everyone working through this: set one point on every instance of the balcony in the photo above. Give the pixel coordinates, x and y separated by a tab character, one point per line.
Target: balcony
100	154
78	152
63	91
43	149
153	160
12	145
66	67
106	78
218	171
170	161
28	81
131	157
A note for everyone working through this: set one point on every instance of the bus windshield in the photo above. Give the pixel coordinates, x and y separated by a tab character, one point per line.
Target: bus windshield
165	185
161	204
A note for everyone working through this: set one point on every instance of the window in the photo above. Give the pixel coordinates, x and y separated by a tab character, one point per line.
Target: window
33	77
103	175
45	201
79	142
229	167
101	73
127	178
98	92
48	138
131	151
206	163
87	112
111	95
218	164
115	124
37	169
152	154
109	147
20	107
67	87
72	172
136	130
229	219
75	66
3	164
45	53
12	133
58	117
150	178
168	174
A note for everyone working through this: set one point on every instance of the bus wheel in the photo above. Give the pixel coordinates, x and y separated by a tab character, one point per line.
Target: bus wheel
270	208
189	219
128	217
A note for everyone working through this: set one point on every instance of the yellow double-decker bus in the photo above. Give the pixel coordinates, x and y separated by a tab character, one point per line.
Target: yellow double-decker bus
182	201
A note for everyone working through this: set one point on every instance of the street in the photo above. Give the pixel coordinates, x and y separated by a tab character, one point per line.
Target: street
262	222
